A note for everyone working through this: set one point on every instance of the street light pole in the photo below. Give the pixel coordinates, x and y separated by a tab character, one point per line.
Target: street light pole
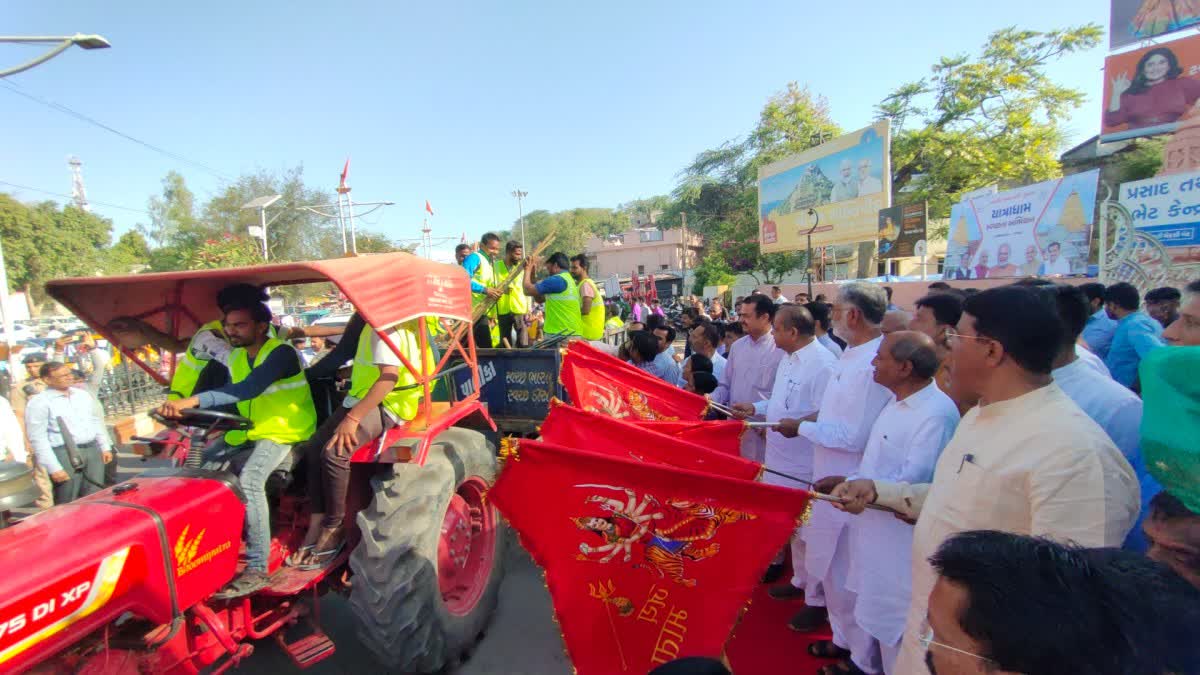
808	235
521	213
16	374
64	42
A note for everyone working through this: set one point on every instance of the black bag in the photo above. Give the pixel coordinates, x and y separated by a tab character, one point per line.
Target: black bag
69	444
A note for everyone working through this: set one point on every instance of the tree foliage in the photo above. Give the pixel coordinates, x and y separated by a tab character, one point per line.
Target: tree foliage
43	241
719	192
215	234
977	121
572	228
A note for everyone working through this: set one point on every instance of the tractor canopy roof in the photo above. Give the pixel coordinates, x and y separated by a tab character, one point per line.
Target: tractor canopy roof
386	289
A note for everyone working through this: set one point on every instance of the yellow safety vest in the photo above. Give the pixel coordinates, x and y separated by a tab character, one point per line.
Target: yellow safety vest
188	368
404	399
284	413
592	323
514	300
562	310
486	274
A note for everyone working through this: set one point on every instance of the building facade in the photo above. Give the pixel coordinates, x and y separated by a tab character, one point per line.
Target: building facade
644	251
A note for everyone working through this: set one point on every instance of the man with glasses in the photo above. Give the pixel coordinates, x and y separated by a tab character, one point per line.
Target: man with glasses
1006	603
1025	460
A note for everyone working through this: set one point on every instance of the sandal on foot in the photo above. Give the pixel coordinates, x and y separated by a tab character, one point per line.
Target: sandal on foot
826	649
297	557
321	559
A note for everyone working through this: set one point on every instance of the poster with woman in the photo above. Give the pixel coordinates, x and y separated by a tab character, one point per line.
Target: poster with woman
1147	91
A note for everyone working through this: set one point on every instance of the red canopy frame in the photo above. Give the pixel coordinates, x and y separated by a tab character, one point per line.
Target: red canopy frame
386	290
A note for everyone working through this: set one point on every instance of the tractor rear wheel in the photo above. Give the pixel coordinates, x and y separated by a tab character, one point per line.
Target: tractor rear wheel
427	571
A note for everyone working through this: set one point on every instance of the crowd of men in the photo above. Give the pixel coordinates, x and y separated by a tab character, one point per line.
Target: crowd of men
989	460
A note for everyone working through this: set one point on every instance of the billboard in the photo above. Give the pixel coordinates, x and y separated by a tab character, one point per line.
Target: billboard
1166	207
1043	229
846	181
900	228
1147	91
1133	21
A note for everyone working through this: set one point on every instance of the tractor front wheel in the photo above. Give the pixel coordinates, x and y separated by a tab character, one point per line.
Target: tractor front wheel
427	571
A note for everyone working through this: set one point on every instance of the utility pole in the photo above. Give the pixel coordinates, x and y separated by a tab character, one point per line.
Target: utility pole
521	213
808	235
685	253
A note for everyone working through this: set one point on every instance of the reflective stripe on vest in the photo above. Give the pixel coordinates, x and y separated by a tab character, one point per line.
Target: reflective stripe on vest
514	300
592	323
188	367
283	413
562	309
402	402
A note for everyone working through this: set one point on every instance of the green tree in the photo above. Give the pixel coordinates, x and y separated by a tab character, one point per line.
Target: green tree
223	251
719	189
130	253
572	228
43	241
293	233
977	121
173	219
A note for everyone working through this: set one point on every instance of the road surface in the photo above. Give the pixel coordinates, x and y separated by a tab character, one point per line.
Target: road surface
523	638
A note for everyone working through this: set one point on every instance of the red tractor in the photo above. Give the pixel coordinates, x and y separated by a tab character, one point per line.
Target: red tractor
122	581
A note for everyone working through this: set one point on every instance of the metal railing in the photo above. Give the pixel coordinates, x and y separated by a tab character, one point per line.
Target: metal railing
127	390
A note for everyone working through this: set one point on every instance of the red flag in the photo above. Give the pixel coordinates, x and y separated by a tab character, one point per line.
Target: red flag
345	172
651	289
645	563
720	435
604	384
574	428
430	210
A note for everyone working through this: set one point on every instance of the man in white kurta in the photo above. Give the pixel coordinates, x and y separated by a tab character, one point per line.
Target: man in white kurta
904	445
852	402
800	381
750	369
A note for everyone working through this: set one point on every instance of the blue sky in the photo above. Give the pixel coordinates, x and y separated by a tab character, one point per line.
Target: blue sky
580	104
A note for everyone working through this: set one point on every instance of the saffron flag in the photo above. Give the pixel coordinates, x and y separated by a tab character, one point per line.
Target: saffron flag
430	210
720	435
345	172
575	428
645	563
605	384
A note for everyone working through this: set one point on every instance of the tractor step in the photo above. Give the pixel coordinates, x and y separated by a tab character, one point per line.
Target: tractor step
290	581
308	650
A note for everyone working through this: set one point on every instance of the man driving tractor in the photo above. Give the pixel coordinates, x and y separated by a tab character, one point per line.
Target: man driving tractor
205	356
269	387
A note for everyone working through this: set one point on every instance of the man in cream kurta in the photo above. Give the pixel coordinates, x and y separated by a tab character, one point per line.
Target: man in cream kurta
1026	460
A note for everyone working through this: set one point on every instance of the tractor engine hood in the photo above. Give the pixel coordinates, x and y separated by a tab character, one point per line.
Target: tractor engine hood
152	546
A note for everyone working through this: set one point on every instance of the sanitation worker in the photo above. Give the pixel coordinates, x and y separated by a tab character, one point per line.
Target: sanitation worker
560	293
383	394
268	385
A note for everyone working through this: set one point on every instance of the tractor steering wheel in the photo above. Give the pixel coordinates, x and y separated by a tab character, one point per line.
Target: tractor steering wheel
214	420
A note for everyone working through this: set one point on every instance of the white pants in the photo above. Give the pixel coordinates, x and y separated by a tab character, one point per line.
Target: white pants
888	656
799	574
839	601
